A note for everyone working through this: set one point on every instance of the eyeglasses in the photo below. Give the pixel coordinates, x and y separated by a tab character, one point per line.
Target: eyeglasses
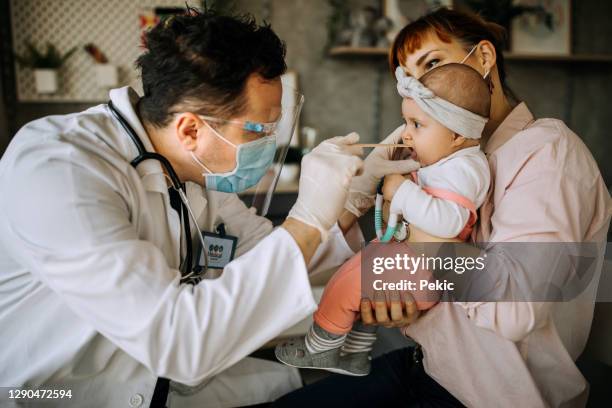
262	128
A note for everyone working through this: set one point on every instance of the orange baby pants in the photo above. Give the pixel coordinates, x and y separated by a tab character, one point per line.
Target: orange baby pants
341	300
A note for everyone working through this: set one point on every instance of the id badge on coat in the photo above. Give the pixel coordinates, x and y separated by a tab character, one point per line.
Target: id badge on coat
220	249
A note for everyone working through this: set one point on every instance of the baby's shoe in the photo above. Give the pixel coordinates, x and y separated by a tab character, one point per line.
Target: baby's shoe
294	353
356	364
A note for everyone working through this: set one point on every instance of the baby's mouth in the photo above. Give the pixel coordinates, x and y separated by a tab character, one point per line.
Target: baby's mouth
410	143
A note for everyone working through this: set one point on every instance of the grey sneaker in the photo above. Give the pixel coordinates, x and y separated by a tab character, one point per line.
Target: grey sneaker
357	364
294	353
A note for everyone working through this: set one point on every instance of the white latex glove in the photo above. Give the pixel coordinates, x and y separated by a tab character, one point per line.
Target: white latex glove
325	177
378	164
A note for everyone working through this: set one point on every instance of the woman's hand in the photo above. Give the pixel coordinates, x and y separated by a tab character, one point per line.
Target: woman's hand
400	311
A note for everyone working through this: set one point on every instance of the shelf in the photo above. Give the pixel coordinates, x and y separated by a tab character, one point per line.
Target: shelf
345	51
559	58
290	187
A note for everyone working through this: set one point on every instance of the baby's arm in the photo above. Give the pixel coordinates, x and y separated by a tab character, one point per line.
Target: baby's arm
391	184
424	298
435	216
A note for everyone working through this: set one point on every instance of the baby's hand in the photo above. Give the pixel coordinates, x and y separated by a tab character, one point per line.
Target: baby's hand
391	184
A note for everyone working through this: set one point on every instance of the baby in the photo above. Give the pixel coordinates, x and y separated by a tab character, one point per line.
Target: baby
445	114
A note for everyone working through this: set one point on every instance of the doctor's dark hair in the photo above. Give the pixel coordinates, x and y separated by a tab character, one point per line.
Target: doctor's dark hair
200	62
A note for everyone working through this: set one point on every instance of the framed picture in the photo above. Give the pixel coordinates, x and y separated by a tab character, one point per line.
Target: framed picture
544	28
402	12
413	9
150	16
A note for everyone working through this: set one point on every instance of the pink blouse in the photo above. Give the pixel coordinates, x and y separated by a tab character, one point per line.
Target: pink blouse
545	186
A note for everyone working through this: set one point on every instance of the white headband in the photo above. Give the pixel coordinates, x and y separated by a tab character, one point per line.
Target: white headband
455	118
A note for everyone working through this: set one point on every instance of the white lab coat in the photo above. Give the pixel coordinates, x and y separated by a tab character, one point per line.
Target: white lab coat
89	288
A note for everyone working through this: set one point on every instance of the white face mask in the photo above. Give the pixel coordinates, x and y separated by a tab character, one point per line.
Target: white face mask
468	56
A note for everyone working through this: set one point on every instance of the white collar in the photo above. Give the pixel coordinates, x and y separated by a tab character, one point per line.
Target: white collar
153	178
125	99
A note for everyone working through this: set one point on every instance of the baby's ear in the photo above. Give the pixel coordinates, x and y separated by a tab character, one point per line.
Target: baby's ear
458	140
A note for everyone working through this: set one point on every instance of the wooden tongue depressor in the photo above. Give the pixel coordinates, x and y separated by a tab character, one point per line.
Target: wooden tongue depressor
379	145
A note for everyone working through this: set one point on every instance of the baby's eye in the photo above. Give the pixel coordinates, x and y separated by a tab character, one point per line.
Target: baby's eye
432	63
416	124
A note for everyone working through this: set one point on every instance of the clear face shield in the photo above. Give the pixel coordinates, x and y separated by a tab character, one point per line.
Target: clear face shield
260	195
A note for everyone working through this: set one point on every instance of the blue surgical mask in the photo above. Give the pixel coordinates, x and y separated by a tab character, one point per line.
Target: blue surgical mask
253	159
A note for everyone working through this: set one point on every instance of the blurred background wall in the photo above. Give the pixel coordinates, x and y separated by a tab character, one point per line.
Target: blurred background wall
341	94
349	93
4	131
346	94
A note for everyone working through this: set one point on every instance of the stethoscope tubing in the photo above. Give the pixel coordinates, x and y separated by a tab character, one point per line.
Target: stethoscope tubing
143	155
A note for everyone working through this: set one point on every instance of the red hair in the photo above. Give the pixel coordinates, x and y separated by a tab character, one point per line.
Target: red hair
467	28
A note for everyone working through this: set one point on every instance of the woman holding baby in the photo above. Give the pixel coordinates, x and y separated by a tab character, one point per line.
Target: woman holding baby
544	187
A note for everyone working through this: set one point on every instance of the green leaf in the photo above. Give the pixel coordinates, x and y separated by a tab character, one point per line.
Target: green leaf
68	54
52	57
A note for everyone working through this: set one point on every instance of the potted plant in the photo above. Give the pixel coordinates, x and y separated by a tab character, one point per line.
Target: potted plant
45	65
107	74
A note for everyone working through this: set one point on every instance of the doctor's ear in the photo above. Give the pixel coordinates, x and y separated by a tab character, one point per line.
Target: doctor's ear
187	125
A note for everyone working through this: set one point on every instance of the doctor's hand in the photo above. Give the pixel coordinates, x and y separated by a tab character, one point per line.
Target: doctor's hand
389	309
377	165
325	178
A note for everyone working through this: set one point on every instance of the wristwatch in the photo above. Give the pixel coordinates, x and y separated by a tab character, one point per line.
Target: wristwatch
402	232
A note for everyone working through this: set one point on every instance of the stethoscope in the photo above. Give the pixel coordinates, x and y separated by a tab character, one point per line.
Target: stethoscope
187	271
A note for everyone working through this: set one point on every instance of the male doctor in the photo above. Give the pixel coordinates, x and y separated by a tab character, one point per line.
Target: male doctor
92	244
